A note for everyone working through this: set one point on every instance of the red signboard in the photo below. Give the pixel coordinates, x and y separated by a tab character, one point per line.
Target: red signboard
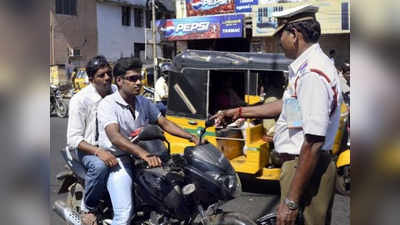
209	7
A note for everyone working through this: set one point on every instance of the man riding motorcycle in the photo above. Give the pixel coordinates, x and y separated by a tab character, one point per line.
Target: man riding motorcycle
119	115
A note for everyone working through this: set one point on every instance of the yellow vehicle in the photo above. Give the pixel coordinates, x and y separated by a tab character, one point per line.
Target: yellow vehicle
148	72
193	97
80	79
148	75
341	152
57	75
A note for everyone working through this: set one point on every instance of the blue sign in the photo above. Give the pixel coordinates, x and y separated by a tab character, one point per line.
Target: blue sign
243	6
202	27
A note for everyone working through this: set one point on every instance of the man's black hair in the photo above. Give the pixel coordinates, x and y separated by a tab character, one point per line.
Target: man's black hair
311	30
125	64
95	64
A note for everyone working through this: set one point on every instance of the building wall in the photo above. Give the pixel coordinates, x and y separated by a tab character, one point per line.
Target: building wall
339	42
73	31
114	39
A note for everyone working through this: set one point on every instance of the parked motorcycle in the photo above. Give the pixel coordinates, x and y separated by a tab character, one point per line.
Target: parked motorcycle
148	92
188	189
57	105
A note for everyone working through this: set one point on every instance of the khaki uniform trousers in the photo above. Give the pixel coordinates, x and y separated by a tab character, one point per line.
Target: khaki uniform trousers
317	198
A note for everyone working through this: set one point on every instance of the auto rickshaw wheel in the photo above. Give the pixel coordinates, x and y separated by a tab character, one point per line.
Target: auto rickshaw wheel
343	181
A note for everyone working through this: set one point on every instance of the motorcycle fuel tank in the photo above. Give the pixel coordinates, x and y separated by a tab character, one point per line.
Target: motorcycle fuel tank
160	189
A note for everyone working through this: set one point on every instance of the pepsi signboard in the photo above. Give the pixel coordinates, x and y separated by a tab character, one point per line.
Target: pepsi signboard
210	27
209	7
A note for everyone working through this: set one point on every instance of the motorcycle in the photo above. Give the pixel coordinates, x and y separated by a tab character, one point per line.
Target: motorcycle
57	104
148	92
189	188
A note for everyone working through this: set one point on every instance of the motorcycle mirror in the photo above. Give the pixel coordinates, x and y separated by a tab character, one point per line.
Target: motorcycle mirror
188	189
150	133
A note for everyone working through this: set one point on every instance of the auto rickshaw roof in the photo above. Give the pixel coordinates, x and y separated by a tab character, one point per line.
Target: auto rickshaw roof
203	59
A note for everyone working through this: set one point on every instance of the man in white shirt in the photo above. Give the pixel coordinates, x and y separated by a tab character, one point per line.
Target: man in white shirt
161	88
309	118
119	115
83	132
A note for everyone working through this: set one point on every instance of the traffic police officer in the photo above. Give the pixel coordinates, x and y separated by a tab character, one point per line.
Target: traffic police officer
309	118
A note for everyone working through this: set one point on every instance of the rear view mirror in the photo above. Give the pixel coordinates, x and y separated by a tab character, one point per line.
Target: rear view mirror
151	132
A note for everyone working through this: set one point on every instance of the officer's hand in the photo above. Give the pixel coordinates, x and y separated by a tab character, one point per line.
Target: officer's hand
109	159
286	216
220	117
152	160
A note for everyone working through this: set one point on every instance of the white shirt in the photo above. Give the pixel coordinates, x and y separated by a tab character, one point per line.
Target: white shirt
315	96
82	116
343	83
114	109
161	90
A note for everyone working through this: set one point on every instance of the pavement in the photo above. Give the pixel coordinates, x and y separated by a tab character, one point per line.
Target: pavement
258	198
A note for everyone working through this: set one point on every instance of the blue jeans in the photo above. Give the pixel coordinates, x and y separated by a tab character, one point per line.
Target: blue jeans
120	188
95	180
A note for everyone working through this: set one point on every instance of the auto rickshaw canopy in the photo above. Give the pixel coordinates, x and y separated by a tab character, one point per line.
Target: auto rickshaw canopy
192	81
203	59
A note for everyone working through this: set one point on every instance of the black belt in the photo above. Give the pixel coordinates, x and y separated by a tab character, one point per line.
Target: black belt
283	157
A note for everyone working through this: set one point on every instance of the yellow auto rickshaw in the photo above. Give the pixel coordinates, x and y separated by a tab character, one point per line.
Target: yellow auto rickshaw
194	95
79	79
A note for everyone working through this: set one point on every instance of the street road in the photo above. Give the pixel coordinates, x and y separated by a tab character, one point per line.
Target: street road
252	202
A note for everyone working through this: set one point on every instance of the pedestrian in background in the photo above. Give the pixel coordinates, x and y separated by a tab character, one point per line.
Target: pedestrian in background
161	88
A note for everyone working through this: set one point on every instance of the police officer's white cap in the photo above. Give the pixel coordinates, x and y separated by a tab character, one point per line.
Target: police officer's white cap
295	14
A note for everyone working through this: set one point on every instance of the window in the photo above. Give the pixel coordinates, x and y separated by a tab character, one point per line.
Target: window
126	15
72	52
345	16
138	17
149	17
66	7
137	48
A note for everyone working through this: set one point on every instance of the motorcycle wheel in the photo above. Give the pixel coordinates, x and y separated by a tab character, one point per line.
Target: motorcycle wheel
62	109
343	187
230	219
51	108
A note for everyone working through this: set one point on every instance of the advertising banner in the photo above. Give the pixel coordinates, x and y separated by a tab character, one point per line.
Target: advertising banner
244	6
209	7
334	16
203	27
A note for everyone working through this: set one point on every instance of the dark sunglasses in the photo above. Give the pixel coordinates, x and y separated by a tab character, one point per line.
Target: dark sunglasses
133	78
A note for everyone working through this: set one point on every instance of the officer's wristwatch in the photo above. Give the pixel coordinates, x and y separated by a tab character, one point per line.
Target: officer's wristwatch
291	204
